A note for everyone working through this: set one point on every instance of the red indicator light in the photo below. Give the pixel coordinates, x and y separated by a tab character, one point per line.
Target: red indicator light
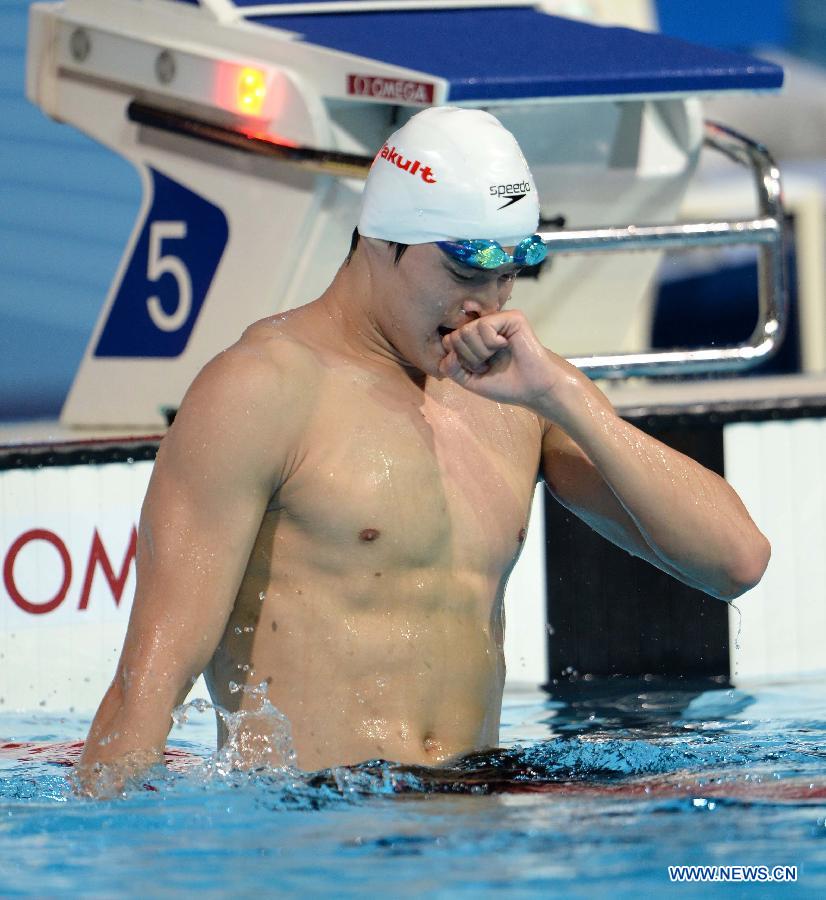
251	91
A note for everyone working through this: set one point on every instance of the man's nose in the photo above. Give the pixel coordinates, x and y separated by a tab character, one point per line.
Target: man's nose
484	300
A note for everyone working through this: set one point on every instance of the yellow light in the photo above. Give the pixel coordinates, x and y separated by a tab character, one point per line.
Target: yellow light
251	91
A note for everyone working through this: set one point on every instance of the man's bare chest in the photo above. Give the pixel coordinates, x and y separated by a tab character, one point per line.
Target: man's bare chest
415	479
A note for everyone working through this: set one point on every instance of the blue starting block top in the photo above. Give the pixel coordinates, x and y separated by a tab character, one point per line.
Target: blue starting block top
489	54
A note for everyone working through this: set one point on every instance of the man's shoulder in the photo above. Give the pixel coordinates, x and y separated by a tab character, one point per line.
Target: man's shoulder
276	345
250	403
268	378
267	361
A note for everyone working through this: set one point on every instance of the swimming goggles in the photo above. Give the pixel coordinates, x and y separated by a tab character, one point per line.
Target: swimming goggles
487	254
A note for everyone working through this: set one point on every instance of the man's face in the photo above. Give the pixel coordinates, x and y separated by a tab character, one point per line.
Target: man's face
431	294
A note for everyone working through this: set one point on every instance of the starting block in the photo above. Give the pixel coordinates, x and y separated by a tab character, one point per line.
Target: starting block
252	127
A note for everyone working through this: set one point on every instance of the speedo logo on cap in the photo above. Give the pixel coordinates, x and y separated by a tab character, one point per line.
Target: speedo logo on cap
411	166
513	193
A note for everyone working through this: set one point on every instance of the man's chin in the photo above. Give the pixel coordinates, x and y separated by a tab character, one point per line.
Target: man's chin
427	363
430	365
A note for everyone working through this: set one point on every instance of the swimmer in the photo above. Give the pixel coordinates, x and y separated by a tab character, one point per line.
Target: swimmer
337	507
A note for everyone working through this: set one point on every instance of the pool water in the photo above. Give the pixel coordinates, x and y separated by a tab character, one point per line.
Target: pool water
598	788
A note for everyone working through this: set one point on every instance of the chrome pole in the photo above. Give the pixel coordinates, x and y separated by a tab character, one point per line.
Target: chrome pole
766	231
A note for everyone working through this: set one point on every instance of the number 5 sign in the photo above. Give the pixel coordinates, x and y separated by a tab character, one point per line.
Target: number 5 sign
166	281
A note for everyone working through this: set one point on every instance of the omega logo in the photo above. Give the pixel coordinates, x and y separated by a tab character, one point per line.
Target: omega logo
97	558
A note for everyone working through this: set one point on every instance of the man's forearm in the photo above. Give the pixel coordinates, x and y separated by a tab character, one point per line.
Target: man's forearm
689	517
119	747
667	506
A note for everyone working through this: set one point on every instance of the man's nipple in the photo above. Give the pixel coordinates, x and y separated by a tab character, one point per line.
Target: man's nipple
369	534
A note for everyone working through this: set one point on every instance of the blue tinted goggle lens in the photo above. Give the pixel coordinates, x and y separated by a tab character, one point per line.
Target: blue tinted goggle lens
485	254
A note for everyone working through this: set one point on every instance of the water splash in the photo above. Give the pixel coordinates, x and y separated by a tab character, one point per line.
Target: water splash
605	743
257	738
737	645
735	607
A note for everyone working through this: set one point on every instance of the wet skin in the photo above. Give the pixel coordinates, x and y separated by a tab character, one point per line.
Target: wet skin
382	559
342	496
381	554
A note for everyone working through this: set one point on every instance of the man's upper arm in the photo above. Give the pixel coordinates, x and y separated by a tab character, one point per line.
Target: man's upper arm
225	455
574	480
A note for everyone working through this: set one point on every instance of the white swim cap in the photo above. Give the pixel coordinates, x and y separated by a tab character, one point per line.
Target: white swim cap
450	174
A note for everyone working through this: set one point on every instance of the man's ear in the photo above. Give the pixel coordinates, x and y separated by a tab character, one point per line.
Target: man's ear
377	251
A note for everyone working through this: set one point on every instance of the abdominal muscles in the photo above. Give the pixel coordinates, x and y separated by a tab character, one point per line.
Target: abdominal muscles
405	667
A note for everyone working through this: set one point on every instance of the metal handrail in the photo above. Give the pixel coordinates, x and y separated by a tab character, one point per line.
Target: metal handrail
765	231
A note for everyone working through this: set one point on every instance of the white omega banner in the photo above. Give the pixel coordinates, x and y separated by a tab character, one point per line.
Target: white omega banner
67	552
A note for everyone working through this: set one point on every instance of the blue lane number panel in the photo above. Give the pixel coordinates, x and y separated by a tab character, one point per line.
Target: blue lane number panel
167	279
